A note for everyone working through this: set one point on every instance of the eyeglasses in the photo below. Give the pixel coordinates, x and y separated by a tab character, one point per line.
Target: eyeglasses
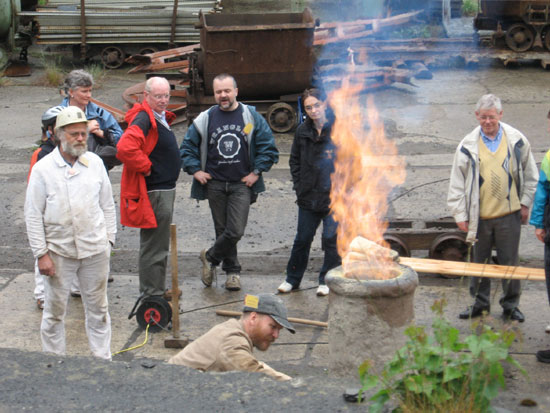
159	97
314	106
77	134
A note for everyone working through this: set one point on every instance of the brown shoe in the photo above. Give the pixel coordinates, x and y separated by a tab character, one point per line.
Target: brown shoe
208	270
168	294
40	303
233	282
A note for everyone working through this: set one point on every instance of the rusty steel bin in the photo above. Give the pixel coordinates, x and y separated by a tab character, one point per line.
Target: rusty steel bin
269	55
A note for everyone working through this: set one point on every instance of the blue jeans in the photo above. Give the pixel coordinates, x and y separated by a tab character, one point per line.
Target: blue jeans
229	203
308	222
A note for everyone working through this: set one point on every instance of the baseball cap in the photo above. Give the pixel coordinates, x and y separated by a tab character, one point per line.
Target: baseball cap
268	304
70	115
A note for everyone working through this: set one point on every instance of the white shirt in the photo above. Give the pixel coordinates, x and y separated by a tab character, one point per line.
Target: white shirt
70	210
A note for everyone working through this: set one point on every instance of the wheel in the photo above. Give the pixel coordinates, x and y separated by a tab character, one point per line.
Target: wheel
520	37
449	247
398	244
112	57
546	37
148	50
154	310
281	117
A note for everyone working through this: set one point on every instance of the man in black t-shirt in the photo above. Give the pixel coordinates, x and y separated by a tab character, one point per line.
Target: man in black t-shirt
226	149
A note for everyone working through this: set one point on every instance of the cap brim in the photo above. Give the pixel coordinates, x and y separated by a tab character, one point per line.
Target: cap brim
284	323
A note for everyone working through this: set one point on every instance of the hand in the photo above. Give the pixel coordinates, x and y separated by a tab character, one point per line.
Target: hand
46	265
540	233
148	173
524	214
250	179
93	127
463	226
202	177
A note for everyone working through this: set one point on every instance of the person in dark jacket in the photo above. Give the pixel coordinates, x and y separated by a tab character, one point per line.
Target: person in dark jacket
226	149
149	152
311	164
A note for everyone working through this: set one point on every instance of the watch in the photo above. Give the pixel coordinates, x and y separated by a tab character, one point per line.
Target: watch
256	172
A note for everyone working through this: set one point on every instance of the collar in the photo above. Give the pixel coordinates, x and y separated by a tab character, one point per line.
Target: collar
497	137
61	162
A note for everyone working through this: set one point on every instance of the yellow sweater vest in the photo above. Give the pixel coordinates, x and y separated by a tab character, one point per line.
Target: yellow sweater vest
498	194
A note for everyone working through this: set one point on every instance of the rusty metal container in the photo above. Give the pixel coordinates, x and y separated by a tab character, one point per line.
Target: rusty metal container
269	55
508	9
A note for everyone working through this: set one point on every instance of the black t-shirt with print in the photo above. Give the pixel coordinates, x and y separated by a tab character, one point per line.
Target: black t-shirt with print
227	158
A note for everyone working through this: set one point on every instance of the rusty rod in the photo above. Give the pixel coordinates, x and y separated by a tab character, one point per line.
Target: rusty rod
291	319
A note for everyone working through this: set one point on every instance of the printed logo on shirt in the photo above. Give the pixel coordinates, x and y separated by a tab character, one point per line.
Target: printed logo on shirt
229	145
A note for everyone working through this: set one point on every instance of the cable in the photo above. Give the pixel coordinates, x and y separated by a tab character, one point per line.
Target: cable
139	345
416	187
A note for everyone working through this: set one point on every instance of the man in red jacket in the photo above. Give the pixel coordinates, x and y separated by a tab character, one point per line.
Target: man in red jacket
149	151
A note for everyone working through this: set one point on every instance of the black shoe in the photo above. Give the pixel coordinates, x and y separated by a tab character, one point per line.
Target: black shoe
543	356
514	314
473	312
76	294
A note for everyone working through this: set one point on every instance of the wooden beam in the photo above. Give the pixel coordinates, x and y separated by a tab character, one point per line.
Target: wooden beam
469	269
291	319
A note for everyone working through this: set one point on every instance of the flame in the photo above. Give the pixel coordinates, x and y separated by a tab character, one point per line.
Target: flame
367	168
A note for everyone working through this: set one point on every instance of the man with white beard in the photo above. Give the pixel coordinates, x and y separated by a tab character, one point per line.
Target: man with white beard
71	226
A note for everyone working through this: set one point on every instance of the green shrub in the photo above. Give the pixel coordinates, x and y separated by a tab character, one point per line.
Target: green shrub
98	74
469	7
440	372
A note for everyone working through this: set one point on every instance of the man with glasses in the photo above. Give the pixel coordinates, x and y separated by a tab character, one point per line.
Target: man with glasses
149	152
226	149
71	226
492	185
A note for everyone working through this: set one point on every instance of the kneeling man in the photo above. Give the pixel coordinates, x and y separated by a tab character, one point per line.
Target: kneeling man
228	346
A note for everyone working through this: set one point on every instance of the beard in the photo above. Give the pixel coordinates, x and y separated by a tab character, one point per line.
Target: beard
73	150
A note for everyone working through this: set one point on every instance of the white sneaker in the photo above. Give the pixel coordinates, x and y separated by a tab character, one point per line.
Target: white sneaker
322	290
547	329
285	287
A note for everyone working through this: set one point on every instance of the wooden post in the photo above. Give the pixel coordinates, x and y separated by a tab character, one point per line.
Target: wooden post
175	289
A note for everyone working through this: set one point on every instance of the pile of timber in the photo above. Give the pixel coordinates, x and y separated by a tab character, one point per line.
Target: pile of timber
125	21
337	32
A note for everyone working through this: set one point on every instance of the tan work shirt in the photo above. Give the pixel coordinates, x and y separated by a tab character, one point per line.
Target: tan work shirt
226	347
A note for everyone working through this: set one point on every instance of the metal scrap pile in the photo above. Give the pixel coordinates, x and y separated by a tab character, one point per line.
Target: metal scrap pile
128	21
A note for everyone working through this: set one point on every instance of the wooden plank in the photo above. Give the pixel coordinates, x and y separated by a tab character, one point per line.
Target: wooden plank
469	269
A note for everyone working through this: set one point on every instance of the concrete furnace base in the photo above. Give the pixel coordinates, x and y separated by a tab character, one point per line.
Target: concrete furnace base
367	319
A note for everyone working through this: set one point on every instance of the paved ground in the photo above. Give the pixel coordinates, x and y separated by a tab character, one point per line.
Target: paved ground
427	122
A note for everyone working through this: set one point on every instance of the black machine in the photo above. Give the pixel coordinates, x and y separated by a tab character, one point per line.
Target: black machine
523	23
153	311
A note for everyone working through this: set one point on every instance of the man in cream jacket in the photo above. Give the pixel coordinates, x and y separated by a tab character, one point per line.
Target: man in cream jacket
493	181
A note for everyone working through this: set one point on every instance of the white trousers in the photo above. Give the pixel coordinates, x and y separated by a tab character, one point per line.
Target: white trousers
39	283
92	274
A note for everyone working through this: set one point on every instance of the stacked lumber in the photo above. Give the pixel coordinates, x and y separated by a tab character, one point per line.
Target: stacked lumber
334	32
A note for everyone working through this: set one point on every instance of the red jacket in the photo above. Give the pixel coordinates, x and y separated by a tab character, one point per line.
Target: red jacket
133	150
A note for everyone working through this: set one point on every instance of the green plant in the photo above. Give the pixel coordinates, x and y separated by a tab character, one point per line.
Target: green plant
438	372
53	74
469	7
98	74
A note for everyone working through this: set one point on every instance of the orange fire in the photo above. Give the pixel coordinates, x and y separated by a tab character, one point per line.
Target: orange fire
367	167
